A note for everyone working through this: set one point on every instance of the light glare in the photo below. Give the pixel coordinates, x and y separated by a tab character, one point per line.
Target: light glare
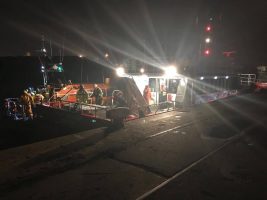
120	71
207	40
170	71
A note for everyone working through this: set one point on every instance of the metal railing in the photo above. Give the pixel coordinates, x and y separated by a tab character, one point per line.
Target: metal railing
14	109
247	79
92	110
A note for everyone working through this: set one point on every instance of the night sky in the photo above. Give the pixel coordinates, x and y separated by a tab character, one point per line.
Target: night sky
140	29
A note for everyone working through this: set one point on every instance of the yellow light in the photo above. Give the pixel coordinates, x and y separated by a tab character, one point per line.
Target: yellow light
170	71
120	71
142	70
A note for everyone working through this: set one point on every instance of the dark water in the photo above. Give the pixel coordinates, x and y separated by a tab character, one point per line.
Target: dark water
16	133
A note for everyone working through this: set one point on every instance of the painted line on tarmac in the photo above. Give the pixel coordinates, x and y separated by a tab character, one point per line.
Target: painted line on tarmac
168	130
230	140
168	116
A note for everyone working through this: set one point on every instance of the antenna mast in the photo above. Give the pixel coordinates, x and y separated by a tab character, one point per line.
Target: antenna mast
43	54
51	50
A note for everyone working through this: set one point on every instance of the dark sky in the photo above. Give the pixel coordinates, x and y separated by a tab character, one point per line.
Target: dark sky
132	28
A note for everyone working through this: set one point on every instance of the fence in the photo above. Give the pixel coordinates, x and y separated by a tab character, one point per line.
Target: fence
247	79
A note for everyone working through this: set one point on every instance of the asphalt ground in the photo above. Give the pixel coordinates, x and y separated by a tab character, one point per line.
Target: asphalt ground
237	171
213	151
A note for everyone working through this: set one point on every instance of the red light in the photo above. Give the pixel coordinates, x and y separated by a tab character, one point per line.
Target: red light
208	28
229	53
207	52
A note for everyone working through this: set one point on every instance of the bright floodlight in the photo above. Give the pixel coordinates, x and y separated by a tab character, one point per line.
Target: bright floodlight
120	71
183	82
142	70
207	40
170	71
106	55
226	77
215	77
201	78
80	56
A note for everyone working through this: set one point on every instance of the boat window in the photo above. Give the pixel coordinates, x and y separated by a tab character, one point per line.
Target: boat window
173	84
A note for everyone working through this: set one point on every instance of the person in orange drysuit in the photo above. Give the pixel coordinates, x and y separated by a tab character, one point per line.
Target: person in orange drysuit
147	94
27	102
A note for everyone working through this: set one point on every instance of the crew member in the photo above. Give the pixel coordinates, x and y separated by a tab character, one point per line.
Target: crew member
38	97
147	94
162	94
69	82
118	99
82	95
27	102
98	94
51	92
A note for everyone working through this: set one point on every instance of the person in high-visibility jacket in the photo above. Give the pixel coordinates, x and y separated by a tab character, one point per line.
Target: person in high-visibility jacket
82	95
118	99
38	98
98	94
147	95
27	103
